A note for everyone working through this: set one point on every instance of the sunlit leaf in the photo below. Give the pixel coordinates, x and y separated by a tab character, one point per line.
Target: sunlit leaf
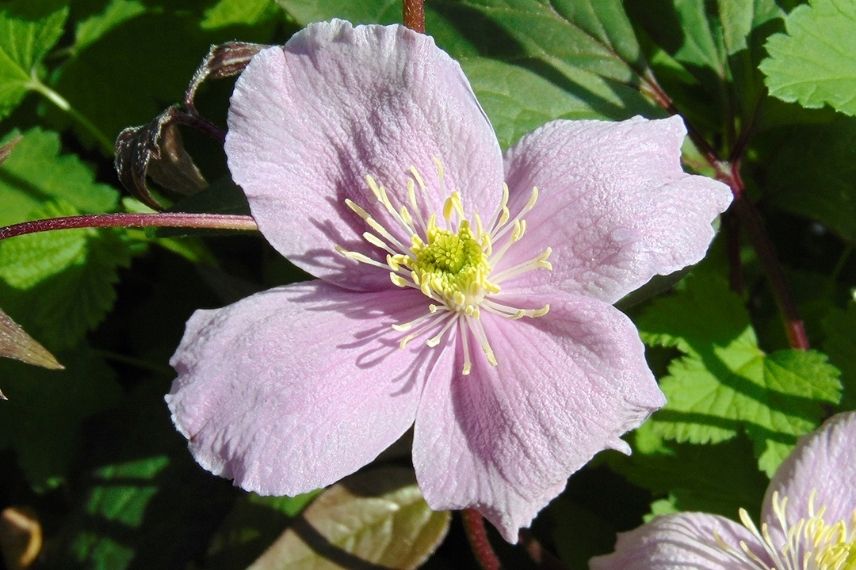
813	62
27	31
374	518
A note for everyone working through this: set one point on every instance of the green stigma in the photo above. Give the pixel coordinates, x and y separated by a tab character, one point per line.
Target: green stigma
452	266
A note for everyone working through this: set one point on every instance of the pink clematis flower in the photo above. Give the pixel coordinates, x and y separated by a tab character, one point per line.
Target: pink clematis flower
460	290
808	519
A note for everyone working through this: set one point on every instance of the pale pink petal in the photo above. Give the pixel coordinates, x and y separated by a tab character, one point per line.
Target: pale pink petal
682	541
296	387
308	121
504	440
615	205
824	462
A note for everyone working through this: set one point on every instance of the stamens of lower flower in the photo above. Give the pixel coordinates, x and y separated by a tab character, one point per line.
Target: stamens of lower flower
810	542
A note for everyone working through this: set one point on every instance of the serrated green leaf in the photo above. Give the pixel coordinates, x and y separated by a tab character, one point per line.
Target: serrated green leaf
29	259
227	13
373	518
37	173
27	31
725	383
59	303
42	419
812	173
812	63
840	345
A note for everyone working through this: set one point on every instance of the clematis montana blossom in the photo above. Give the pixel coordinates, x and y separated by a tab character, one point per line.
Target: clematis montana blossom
458	289
808	519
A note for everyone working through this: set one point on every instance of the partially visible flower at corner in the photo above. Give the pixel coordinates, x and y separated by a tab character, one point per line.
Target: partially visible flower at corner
458	289
808	519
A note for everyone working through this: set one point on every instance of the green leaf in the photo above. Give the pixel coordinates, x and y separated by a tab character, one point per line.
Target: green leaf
586	50
140	500
518	100
60	284
42	419
91	29
812	173
719	478
712	51
725	383
364	12
28	30
840	345
252	525
813	62
373	518
36	173
227	13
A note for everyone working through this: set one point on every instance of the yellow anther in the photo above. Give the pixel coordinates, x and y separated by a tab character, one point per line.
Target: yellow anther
503	216
356	209
376	241
398	280
418	177
518	230
533	198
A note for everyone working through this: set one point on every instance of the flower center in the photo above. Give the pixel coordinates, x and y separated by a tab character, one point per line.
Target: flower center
452	265
807	544
451	261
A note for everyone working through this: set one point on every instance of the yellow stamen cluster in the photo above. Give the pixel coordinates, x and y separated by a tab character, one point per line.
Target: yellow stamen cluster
451	261
809	543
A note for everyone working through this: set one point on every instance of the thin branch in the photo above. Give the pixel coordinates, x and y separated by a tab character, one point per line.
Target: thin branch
747	214
162	220
414	15
103	140
479	542
752	223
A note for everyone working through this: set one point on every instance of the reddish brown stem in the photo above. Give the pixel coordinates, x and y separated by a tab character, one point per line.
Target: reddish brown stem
414	15
753	225
163	220
748	216
479	542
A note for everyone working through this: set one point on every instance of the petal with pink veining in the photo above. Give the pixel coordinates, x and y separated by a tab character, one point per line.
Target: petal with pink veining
683	541
615	205
296	387
505	439
824	462
308	121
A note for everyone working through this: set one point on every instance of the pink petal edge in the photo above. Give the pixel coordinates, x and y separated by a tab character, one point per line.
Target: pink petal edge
615	206
296	387
308	121
683	541
505	440
823	462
